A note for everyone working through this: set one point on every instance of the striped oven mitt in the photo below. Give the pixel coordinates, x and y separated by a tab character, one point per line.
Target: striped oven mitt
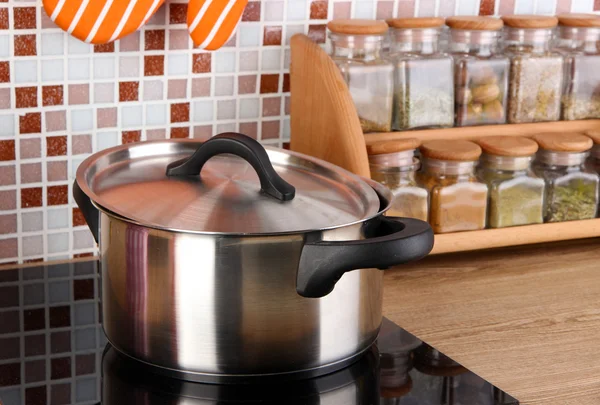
210	22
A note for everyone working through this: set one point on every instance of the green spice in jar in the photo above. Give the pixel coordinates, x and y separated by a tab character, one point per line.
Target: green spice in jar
393	164
516	194
571	188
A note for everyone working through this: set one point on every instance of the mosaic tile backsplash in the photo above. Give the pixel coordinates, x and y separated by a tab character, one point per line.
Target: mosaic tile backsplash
61	99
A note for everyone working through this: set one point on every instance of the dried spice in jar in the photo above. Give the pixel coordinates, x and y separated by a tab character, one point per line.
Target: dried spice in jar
536	72
578	39
480	70
423	83
571	188
394	165
593	161
356	47
516	194
458	200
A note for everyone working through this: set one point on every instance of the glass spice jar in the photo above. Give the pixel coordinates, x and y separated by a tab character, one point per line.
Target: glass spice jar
578	38
571	188
536	72
423	82
356	47
480	71
516	195
458	200
394	165
593	161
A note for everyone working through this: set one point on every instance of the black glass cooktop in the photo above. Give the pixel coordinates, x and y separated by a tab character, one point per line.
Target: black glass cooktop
53	351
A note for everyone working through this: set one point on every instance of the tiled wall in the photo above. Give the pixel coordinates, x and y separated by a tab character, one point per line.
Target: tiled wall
61	100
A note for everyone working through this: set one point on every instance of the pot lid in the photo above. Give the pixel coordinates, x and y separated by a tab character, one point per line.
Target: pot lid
231	195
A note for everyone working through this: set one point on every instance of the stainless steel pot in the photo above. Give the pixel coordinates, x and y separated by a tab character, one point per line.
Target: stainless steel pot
210	277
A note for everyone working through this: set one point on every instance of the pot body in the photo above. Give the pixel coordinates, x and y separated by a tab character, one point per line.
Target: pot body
220	305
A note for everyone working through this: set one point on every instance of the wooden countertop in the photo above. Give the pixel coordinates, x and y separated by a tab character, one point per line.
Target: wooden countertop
526	319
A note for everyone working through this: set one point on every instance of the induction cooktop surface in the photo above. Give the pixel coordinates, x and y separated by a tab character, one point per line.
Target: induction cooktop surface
53	351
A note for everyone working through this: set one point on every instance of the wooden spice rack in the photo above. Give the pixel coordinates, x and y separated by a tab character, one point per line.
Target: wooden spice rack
324	124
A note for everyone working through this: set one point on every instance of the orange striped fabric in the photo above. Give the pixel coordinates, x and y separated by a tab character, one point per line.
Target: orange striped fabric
210	22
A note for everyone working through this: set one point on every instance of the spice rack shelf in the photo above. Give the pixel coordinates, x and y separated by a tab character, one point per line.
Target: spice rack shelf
324	124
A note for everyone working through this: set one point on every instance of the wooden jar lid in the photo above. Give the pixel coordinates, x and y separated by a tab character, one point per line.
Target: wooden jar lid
595	135
508	146
529	21
416	22
476	23
395	146
358	27
579	20
451	150
564	142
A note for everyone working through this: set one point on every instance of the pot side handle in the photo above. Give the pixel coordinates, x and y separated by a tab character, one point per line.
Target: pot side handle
90	213
246	148
395	241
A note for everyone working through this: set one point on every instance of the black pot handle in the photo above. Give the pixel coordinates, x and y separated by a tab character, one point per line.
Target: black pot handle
246	148
89	211
394	241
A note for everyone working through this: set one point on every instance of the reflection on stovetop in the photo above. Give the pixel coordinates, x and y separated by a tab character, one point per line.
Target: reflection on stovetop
53	351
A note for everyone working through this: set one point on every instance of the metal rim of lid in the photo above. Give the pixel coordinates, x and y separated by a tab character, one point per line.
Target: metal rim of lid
382	204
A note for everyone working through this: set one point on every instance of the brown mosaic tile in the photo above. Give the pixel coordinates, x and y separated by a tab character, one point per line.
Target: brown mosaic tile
7	150
318	33
83	289
486	7
271	106
154	65
177	13
52	95
25	45
10	374
60	368
8	225
250	129
269	83
272	35
60	342
286	145
128	91
8	201
30	123
60	316
7	178
34	319
35	370
24	18
36	395
9	296
201	63
247	84
58	195
180	112
286	83
318	10
4	72
85	364
78	219
60	394
79	255
36	260
7	276
252	11
26	97
56	145
154	40
35	345
180	132
79	94
31	197
4	23
131	136
104	48
56	170
10	348
81	144
270	130
31	173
